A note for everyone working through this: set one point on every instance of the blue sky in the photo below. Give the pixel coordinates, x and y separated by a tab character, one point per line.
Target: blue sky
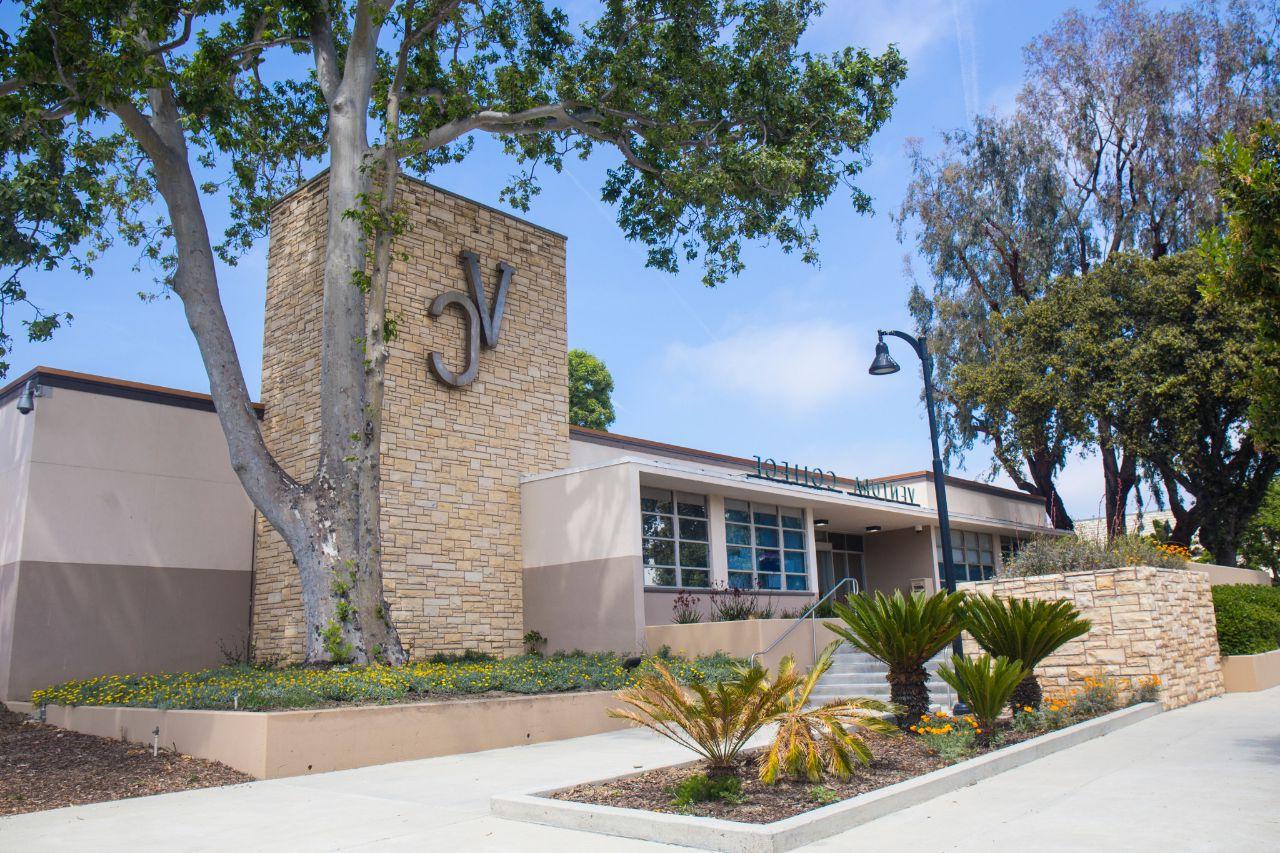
771	363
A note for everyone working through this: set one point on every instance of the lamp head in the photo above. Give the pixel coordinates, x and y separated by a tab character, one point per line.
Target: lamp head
883	364
27	397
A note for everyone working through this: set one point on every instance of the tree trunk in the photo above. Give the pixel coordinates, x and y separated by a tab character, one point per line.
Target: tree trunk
1042	466
909	690
1027	693
1120	475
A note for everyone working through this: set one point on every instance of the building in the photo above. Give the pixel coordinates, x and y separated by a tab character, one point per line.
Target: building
129	546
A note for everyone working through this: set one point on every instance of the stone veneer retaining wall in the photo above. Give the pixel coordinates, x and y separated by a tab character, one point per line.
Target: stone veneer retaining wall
452	458
1146	621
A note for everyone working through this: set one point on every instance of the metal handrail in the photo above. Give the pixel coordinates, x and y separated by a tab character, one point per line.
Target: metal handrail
808	614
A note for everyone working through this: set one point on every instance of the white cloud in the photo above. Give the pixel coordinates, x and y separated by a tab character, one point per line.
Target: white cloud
791	367
913	25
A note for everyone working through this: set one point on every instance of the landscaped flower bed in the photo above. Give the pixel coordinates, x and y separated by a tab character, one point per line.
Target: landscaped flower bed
935	742
260	689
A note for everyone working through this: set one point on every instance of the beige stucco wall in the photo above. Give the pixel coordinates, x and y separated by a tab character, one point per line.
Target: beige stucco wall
743	638
1226	575
893	558
128	536
451	458
1146	621
1247	673
979	502
277	744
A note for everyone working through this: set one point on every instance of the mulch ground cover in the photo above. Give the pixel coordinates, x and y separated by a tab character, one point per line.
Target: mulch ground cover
45	767
895	759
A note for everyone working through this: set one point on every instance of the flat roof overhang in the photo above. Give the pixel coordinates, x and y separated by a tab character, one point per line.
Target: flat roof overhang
844	512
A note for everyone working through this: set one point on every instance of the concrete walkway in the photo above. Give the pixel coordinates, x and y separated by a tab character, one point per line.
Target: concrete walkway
1201	778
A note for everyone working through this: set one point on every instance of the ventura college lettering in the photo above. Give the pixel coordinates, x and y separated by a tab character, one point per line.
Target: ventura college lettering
482	323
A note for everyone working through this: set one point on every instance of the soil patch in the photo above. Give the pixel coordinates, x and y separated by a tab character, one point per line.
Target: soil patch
895	760
45	767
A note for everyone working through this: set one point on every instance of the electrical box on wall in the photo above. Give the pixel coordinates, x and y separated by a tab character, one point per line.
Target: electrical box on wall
924	585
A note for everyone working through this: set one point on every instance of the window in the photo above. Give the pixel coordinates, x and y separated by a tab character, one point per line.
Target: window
972	555
674	528
1009	549
765	546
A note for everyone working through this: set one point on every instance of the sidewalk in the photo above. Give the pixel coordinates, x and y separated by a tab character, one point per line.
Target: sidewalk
1200	778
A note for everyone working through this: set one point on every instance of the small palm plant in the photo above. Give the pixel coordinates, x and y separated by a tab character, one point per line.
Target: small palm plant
713	721
716	722
904	632
1023	630
985	685
813	741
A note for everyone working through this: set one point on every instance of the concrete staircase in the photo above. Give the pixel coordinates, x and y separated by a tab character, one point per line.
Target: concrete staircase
855	673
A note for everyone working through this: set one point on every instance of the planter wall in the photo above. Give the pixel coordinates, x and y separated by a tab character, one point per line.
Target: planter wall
274	744
1146	621
742	639
1247	673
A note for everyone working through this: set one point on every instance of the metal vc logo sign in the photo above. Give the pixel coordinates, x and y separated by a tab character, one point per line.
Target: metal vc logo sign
483	322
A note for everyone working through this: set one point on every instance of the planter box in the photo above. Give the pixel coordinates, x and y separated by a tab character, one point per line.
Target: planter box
274	744
726	835
1247	673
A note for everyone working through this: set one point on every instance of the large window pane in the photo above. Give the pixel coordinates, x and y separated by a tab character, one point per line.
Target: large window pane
765	515
740	558
657	576
794	562
737	511
693	554
767	537
793	519
768	561
658	525
659	552
693	528
792	539
740	580
693	506
695	577
770	581
655	500
737	534
797	582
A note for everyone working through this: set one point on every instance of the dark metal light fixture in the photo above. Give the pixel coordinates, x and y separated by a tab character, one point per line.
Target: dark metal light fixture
873	528
27	397
820	522
883	364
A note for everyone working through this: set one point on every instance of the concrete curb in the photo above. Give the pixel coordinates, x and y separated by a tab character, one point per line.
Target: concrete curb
792	832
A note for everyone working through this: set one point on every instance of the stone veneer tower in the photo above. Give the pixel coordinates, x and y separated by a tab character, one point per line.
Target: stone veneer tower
451	457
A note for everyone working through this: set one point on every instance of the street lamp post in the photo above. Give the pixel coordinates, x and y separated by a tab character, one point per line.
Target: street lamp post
883	365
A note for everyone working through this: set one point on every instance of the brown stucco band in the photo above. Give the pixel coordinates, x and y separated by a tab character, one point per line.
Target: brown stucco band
592	605
77	620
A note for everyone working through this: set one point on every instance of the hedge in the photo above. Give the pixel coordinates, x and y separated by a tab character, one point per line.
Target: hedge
1248	618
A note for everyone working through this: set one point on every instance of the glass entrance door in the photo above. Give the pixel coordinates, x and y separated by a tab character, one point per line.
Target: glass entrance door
840	562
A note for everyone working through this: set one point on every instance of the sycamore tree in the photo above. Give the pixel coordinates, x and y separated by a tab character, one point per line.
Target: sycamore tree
590	391
1099	156
119	122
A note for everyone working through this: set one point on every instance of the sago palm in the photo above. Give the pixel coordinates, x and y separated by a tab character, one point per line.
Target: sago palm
713	721
904	632
1024	630
811	742
985	685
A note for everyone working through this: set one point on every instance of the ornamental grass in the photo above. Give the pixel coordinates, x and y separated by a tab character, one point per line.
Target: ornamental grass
250	688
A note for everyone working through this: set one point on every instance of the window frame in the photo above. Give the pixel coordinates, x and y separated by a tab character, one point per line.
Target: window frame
754	546
677	538
972	559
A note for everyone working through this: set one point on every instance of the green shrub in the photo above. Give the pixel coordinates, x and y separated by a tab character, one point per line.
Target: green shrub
701	788
1248	618
1023	630
1051	555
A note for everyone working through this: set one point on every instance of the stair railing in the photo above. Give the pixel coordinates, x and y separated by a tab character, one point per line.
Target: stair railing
808	614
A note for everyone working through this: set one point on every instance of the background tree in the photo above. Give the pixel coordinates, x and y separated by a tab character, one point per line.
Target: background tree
590	391
1243	259
1260	544
1136	338
118	122
1098	157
